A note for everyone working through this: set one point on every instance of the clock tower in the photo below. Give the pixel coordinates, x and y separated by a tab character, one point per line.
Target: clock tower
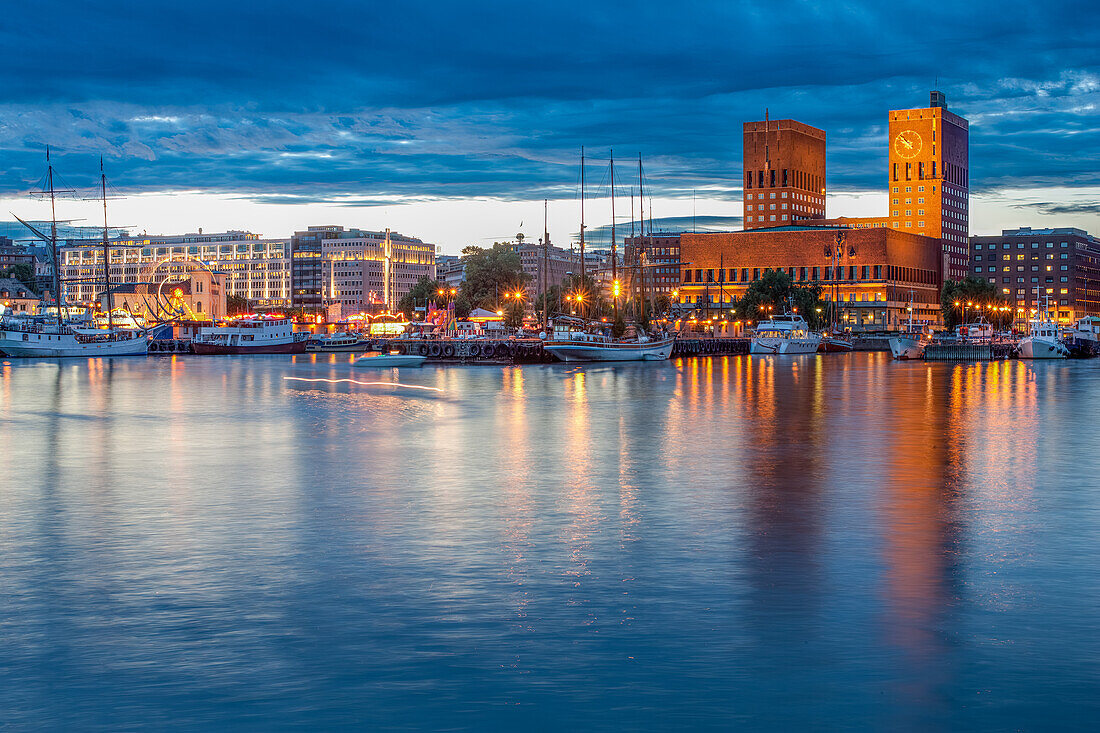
929	179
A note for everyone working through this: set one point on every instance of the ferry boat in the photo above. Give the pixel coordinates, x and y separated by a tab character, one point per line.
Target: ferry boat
574	342
337	343
787	334
257	335
1043	342
25	337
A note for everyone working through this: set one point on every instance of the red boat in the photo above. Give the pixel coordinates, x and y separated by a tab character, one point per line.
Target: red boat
834	345
255	335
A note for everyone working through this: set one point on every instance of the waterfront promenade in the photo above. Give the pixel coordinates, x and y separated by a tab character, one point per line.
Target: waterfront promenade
706	543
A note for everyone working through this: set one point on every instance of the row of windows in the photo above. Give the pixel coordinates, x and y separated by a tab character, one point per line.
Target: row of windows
814	274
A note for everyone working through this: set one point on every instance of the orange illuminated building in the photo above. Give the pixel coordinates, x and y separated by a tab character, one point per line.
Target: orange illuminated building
784	164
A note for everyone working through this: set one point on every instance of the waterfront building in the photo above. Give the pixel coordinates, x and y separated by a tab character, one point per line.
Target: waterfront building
1028	265
556	263
784	173
255	268
879	270
13	254
15	297
198	296
306	268
660	253
368	270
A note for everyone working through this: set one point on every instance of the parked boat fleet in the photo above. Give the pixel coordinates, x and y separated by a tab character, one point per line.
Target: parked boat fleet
567	339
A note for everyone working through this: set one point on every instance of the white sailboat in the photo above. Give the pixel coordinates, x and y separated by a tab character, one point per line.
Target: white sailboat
37	338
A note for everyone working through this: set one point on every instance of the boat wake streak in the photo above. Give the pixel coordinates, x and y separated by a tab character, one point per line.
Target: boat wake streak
365	384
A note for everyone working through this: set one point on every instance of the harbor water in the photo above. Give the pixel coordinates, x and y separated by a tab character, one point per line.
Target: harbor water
761	542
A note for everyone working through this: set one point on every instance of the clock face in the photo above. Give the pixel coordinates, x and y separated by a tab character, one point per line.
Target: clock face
907	143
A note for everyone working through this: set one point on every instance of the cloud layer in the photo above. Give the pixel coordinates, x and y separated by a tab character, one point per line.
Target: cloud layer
372	103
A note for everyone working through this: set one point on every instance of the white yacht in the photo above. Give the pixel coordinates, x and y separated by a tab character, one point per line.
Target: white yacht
787	334
572	342
25	337
910	343
1044	341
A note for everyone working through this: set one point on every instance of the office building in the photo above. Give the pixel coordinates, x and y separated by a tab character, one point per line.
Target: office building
659	257
257	269
1030	267
368	270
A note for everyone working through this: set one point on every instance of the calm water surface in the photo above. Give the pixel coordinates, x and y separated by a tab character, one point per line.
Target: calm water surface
749	542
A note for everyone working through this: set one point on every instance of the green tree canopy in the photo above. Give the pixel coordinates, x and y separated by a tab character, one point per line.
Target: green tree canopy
424	290
491	274
956	294
775	289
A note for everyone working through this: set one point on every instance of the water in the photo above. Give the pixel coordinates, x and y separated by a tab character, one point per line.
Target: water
747	542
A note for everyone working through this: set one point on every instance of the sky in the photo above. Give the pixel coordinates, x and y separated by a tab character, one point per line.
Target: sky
454	121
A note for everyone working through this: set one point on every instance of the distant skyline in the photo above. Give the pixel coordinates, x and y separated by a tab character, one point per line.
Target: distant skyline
453	122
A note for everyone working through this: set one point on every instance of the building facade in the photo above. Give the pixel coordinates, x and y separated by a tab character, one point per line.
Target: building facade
255	268
929	177
366	270
1030	267
880	271
659	257
784	168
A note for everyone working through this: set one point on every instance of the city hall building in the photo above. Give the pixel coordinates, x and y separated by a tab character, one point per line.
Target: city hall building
878	272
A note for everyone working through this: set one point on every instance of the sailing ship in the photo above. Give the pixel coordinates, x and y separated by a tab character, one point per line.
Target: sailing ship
571	340
60	338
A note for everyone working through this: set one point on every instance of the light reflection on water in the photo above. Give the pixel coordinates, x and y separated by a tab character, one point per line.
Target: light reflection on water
192	542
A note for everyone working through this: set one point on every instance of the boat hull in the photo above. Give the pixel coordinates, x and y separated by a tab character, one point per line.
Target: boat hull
385	361
832	345
1037	348
66	345
206	349
581	351
767	345
904	347
350	348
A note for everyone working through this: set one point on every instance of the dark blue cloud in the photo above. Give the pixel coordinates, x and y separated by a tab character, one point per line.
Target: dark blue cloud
348	100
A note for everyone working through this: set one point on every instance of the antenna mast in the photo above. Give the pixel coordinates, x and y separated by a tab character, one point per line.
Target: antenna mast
106	249
582	216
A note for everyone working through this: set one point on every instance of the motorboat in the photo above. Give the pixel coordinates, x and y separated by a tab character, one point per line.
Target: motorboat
254	335
1044	341
31	338
786	334
337	343
392	359
908	344
573	341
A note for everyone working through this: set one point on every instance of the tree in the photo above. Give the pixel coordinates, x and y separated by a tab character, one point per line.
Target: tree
513	313
425	289
235	304
491	274
22	272
964	299
776	290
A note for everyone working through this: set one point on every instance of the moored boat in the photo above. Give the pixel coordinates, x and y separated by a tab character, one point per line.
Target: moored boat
834	345
256	335
30	339
337	343
1043	342
571	341
786	334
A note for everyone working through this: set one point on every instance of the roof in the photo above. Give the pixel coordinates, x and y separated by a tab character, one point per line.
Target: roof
15	289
